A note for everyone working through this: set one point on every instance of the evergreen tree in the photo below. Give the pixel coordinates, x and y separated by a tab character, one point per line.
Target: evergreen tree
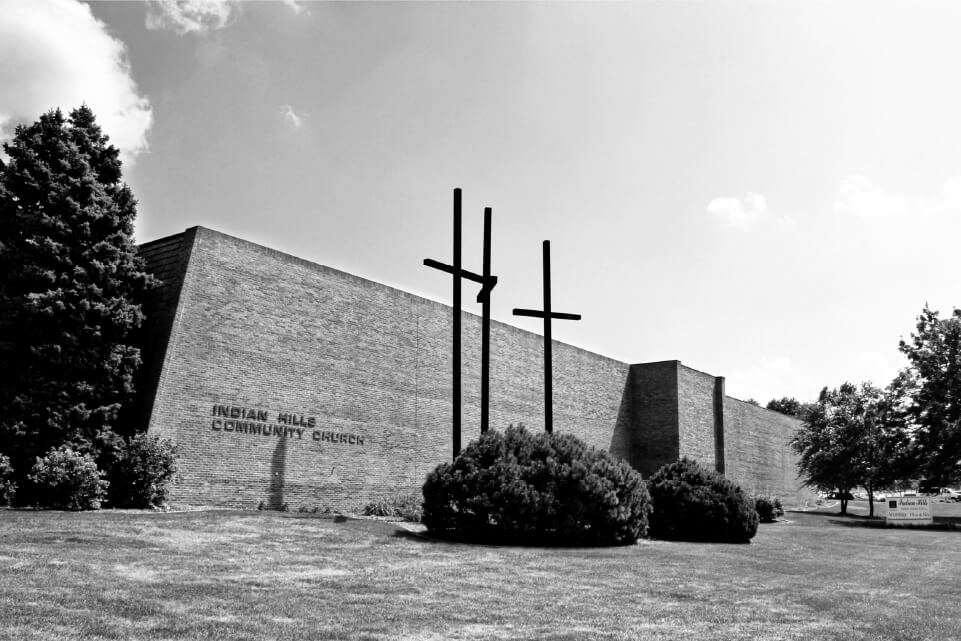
70	285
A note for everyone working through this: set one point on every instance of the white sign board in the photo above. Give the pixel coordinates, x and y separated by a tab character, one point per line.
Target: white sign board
909	510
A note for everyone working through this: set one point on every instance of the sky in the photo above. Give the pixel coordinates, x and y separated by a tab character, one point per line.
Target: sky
766	191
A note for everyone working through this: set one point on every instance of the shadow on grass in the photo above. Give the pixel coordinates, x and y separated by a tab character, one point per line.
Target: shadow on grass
433	538
473	541
420	537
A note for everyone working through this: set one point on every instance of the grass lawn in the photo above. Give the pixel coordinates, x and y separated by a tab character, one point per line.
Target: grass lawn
262	575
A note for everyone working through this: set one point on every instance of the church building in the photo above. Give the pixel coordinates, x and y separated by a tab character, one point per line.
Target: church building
288	383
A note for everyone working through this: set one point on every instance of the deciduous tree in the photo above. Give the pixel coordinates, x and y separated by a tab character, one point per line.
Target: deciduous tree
848	440
788	405
934	394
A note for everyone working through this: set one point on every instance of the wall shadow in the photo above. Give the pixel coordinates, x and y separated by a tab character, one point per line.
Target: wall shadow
278	471
625	442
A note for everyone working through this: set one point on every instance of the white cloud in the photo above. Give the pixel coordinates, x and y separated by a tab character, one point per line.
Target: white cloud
200	16
297	7
739	212
860	197
55	53
292	117
190	16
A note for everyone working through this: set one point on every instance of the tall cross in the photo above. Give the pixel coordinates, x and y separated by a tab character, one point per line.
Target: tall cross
547	314
484	298
487	283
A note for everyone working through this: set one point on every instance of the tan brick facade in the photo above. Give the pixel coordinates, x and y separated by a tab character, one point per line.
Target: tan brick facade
287	382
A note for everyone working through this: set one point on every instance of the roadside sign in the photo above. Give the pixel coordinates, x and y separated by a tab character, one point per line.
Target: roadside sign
909	510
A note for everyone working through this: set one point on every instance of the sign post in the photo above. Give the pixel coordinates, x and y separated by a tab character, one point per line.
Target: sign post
909	510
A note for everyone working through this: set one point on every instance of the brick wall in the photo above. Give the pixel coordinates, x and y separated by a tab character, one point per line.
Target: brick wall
654	418
758	454
695	408
365	372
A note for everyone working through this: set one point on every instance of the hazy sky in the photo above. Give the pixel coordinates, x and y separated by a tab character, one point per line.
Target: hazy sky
767	191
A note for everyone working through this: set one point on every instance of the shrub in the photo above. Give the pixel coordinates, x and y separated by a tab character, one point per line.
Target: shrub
68	480
694	503
405	506
142	471
8	488
769	508
545	489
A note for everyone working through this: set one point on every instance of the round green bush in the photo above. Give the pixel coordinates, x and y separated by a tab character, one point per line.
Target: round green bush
142	471
548	489
769	508
68	480
694	503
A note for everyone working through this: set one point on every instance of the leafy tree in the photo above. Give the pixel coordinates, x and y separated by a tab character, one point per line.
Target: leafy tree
933	390
789	406
898	446
848	439
70	280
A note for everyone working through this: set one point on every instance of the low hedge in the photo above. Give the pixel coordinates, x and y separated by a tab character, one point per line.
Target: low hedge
404	506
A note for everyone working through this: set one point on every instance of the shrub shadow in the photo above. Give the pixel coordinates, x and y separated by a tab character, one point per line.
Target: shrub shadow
433	537
420	537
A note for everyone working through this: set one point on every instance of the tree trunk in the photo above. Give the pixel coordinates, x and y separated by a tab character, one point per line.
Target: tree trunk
870	489
844	505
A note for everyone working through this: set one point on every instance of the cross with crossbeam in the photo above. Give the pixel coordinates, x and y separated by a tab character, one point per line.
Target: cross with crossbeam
547	314
487	283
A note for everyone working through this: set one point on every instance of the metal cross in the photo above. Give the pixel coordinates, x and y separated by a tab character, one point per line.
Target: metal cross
547	314
487	283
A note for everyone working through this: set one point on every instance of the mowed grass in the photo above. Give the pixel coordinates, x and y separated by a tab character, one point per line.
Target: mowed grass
261	575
